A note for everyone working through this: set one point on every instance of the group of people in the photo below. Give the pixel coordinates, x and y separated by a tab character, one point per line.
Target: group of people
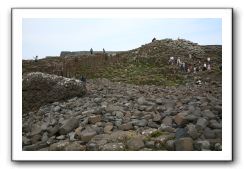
188	67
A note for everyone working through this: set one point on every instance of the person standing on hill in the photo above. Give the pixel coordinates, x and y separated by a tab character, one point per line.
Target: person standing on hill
178	61
104	52
186	67
36	58
189	68
208	59
91	51
194	70
183	66
154	39
209	67
83	79
190	56
171	60
204	67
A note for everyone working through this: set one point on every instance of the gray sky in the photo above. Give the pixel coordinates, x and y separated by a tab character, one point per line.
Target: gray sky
48	37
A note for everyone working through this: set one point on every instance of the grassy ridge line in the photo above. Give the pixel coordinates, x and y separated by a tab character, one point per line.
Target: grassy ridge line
146	65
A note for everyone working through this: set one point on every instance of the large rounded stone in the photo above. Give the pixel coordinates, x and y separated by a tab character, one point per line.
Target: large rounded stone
180	119
68	126
126	126
135	143
184	144
39	89
87	134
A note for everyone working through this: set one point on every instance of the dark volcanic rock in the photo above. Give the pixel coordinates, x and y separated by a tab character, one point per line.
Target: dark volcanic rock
39	89
181	132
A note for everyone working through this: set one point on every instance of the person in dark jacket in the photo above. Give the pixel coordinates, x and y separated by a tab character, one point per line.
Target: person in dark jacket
36	58
91	50
83	79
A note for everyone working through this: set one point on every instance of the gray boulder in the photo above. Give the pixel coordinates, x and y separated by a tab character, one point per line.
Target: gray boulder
192	131
68	126
140	123
126	126
201	123
184	144
135	143
87	134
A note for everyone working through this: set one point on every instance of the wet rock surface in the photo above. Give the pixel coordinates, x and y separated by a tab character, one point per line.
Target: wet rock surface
115	116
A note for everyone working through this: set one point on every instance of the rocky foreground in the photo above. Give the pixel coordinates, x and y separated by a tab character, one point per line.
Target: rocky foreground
113	116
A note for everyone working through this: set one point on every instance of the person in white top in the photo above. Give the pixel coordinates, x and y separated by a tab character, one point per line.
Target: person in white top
209	67
204	66
171	60
178	61
194	70
208	59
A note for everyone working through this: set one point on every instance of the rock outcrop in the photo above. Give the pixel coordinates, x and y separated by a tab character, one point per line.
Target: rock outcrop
39	89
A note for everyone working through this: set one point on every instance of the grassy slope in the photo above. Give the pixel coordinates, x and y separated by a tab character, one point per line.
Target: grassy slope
152	70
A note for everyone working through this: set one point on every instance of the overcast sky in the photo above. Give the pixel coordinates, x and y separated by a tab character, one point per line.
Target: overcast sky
48	37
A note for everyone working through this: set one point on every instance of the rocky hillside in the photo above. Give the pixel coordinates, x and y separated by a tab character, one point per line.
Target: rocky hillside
133	100
147	64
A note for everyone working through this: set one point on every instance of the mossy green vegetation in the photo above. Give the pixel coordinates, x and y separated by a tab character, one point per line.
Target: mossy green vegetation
141	73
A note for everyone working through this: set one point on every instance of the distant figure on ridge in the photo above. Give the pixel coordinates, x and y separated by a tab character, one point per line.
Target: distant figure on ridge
154	39
91	50
36	58
104	52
